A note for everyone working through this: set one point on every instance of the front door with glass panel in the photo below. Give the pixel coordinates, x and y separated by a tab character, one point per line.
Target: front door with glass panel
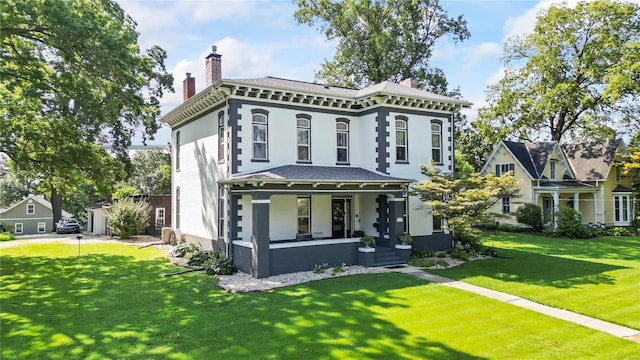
547	208
340	218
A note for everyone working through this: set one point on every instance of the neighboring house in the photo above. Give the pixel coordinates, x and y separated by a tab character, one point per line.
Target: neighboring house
581	176
159	215
280	173
32	215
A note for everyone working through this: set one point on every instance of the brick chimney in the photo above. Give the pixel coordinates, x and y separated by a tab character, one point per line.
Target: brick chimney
214	66
412	83
188	87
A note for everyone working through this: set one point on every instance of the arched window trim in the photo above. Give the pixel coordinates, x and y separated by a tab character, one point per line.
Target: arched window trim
260	135
178	151
303	132
436	142
402	139
342	141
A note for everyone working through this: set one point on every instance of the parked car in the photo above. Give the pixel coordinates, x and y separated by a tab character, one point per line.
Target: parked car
67	226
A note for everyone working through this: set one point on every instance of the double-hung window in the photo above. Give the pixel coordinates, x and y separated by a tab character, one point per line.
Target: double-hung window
401	140
552	170
506	205
304	140
436	142
342	141
221	212
178	151
221	136
304	215
18	228
621	209
42	227
504	168
260	136
31	209
160	216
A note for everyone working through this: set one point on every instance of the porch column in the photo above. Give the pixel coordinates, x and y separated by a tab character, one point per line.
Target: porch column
556	207
396	219
260	265
595	208
576	201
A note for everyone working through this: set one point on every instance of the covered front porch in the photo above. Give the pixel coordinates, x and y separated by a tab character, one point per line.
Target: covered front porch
581	197
281	224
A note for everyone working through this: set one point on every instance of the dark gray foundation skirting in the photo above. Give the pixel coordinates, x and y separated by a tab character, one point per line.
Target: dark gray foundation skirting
294	259
242	258
435	242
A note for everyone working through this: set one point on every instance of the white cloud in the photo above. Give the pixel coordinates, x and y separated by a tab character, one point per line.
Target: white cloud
525	23
496	77
476	53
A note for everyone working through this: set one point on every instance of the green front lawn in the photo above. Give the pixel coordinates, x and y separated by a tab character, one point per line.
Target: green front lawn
111	302
597	277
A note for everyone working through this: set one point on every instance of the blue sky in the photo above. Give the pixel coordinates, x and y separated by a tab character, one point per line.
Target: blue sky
261	38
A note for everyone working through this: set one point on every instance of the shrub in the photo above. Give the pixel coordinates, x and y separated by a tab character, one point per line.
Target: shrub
184	249
128	217
199	258
338	269
406	238
6	236
428	262
569	224
509	228
320	269
531	215
368	240
218	264
619	231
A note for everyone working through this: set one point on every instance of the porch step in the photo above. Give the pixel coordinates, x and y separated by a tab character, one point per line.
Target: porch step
385	256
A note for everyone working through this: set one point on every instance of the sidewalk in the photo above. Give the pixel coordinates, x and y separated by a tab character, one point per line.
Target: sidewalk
593	323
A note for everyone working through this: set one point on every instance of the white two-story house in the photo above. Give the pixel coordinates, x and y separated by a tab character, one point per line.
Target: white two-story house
279	173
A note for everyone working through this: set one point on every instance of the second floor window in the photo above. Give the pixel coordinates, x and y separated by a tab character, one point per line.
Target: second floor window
552	170
221	136
31	209
304	140
401	140
178	151
503	169
342	141
260	137
436	143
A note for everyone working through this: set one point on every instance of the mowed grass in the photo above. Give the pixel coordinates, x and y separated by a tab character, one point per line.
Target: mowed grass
113	303
597	277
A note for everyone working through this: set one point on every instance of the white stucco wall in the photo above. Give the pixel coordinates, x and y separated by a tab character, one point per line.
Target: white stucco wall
321	214
197	176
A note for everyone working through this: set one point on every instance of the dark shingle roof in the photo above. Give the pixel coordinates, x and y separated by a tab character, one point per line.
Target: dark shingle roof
521	153
540	153
591	161
304	173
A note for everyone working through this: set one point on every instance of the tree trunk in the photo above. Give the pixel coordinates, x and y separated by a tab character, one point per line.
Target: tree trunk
56	205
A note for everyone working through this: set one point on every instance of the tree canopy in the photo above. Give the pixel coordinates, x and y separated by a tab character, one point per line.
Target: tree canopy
151	172
381	40
575	75
72	79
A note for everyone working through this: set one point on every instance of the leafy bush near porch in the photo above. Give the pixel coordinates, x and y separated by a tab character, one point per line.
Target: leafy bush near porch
128	217
218	264
569	224
6	236
619	231
531	215
184	250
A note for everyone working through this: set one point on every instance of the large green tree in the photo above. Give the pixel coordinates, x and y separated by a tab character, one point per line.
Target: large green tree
575	75
379	40
151	172
72	78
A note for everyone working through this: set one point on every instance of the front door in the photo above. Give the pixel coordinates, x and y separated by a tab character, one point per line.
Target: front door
547	209
340	218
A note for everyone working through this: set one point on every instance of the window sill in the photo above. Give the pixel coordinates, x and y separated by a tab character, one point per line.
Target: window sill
303	162
402	162
260	160
220	161
343	163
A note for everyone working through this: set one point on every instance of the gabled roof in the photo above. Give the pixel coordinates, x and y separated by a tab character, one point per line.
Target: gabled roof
314	174
592	161
39	199
521	153
540	152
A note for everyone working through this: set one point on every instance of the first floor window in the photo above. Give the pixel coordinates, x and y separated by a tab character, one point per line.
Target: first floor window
621	208
178	207
221	212
160	215
304	215
17	228
506	205
42	227
437	222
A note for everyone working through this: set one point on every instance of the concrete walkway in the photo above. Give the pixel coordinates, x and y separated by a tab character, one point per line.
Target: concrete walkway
610	328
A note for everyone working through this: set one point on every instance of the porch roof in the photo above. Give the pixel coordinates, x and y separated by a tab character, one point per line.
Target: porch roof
621	189
315	174
566	185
